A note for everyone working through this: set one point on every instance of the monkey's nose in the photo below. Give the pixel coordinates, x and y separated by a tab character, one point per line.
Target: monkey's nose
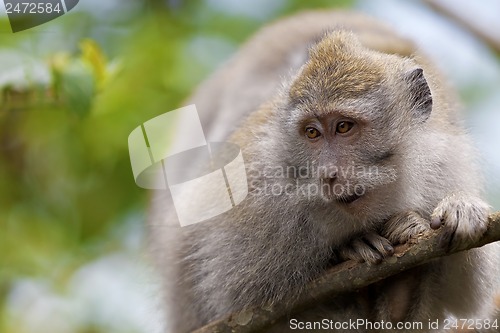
327	172
329	181
330	175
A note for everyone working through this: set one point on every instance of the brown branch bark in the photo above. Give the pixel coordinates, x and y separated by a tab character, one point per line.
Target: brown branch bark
346	277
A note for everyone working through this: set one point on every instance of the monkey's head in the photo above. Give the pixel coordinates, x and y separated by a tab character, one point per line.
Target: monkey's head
347	115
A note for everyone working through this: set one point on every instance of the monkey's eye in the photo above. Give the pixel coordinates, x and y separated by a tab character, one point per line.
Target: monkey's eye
312	133
344	127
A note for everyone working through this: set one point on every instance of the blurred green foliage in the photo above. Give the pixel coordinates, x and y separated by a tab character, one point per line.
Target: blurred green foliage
65	176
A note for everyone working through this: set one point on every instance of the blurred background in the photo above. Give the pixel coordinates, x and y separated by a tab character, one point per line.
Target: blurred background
72	220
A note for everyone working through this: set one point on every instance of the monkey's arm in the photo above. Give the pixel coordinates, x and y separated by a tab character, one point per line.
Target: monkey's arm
350	276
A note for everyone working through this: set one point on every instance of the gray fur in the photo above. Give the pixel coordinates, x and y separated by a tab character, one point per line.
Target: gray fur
268	247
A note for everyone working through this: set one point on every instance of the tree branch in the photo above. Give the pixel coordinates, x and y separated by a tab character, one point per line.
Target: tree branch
346	277
470	22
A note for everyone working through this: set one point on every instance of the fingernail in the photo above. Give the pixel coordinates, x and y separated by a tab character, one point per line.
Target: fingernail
436	222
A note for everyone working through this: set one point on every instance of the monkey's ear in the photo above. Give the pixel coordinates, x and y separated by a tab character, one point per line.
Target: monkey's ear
420	94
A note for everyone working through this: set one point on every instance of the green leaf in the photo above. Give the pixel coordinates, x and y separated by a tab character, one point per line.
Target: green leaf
78	87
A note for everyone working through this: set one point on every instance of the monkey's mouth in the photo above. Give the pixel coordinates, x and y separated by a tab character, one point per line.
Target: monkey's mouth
348	199
337	192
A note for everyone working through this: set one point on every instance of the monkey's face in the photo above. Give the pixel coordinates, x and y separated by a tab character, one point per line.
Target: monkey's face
348	115
347	154
352	147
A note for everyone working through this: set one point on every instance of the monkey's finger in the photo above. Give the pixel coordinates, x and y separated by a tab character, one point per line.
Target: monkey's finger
348	253
449	222
359	251
403	226
464	220
368	253
438	217
381	244
436	222
446	239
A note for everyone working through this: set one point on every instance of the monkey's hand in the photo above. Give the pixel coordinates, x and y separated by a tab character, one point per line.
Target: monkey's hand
401	227
371	248
464	220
